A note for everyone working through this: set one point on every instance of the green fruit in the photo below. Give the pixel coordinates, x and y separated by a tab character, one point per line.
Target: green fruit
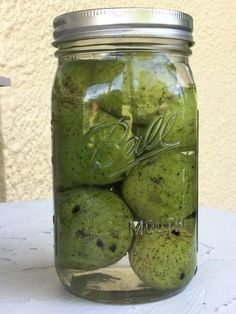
105	85
79	81
106	71
140	89
153	83
92	228
148	98
73	80
182	110
147	103
184	129
163	188
91	147
164	259
115	96
111	102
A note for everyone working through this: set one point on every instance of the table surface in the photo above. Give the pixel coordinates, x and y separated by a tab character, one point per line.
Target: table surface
29	284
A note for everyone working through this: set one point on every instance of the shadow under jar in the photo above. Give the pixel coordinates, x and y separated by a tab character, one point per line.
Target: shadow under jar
124	135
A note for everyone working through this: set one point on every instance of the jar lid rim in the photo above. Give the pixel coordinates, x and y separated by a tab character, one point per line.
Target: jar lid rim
122	22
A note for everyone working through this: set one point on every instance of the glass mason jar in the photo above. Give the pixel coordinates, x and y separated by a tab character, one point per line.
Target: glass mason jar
124	130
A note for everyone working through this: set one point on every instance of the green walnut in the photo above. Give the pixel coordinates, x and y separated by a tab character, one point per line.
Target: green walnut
164	259
154	82
148	98
184	111
92	147
79	81
164	187
111	102
72	81
181	114
92	228
140	90
106	71
114	97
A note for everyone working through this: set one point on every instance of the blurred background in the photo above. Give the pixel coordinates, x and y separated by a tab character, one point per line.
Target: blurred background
27	57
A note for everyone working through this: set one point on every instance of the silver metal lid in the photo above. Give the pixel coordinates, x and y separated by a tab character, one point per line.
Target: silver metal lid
122	22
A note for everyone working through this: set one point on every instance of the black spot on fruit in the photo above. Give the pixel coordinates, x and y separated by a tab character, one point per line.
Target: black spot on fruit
100	243
182	275
175	232
76	209
112	248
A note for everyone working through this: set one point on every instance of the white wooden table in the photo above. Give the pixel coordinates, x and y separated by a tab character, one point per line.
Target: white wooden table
28	281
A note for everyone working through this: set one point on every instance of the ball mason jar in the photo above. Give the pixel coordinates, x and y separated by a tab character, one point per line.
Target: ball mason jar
124	137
